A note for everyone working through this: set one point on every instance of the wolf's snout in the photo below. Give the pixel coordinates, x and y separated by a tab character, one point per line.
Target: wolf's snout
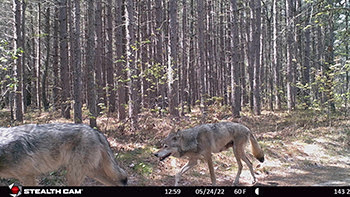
156	154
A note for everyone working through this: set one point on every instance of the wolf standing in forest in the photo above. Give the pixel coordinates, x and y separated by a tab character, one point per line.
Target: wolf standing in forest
201	141
30	150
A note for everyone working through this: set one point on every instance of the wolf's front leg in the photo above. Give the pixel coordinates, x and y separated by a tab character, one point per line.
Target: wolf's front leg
192	162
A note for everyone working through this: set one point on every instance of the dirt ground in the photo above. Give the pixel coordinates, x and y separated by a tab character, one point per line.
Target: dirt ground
301	149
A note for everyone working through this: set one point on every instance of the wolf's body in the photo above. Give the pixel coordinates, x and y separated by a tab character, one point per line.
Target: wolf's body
30	150
201	141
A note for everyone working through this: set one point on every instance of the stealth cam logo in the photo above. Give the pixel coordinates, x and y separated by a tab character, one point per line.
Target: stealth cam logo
16	190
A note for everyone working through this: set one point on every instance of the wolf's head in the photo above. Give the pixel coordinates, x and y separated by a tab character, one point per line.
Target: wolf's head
171	146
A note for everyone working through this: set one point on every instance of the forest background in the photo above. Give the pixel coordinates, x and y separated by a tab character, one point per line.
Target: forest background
116	64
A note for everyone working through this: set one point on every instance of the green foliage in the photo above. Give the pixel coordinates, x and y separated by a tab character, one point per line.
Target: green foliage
7	57
144	168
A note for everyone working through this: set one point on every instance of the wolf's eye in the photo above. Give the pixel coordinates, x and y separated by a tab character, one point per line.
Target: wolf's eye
165	146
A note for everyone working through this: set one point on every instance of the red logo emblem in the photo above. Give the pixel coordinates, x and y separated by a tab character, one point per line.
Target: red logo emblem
16	190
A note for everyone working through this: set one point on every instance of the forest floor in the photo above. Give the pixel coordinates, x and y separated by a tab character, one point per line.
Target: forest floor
302	148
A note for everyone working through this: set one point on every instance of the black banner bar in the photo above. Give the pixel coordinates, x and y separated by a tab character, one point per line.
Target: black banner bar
176	191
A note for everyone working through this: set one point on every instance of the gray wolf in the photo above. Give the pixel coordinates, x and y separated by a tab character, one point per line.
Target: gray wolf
201	141
30	150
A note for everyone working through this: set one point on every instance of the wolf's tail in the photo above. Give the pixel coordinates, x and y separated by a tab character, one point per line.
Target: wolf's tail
256	150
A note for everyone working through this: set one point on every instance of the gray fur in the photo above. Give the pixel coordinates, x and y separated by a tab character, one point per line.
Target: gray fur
203	140
30	150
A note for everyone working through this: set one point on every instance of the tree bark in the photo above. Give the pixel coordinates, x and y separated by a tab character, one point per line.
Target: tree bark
256	43
276	61
202	63
130	64
109	59
120	53
18	64
290	41
65	82
235	66
55	69
77	76
173	67
47	62
90	64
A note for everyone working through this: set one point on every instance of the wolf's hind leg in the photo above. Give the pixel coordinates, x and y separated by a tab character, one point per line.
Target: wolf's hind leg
239	163
211	170
192	162
250	165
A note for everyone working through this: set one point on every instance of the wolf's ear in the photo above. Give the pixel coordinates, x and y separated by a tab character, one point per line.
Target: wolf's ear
188	141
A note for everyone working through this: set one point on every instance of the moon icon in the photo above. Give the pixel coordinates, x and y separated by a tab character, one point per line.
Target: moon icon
257	191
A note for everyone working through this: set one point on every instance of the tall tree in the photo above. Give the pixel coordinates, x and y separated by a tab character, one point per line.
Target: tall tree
159	59
55	62
64	67
120	55
276	61
109	59
235	65
131	63
173	67
306	63
47	61
256	41
77	75
202	63
289	51
18	64
90	63
99	55
37	69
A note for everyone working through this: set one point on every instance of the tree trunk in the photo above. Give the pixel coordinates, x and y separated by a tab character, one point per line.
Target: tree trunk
17	61
120	53
109	60
276	62
202	63
47	62
290	41
159	51
90	64
65	82
55	69
235	66
306	66
130	63
77	77
250	28
256	44
25	79
173	67
98	55
38	62
183	83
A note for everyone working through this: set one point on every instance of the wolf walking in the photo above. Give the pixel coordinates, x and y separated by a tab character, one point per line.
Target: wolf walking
201	141
30	150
